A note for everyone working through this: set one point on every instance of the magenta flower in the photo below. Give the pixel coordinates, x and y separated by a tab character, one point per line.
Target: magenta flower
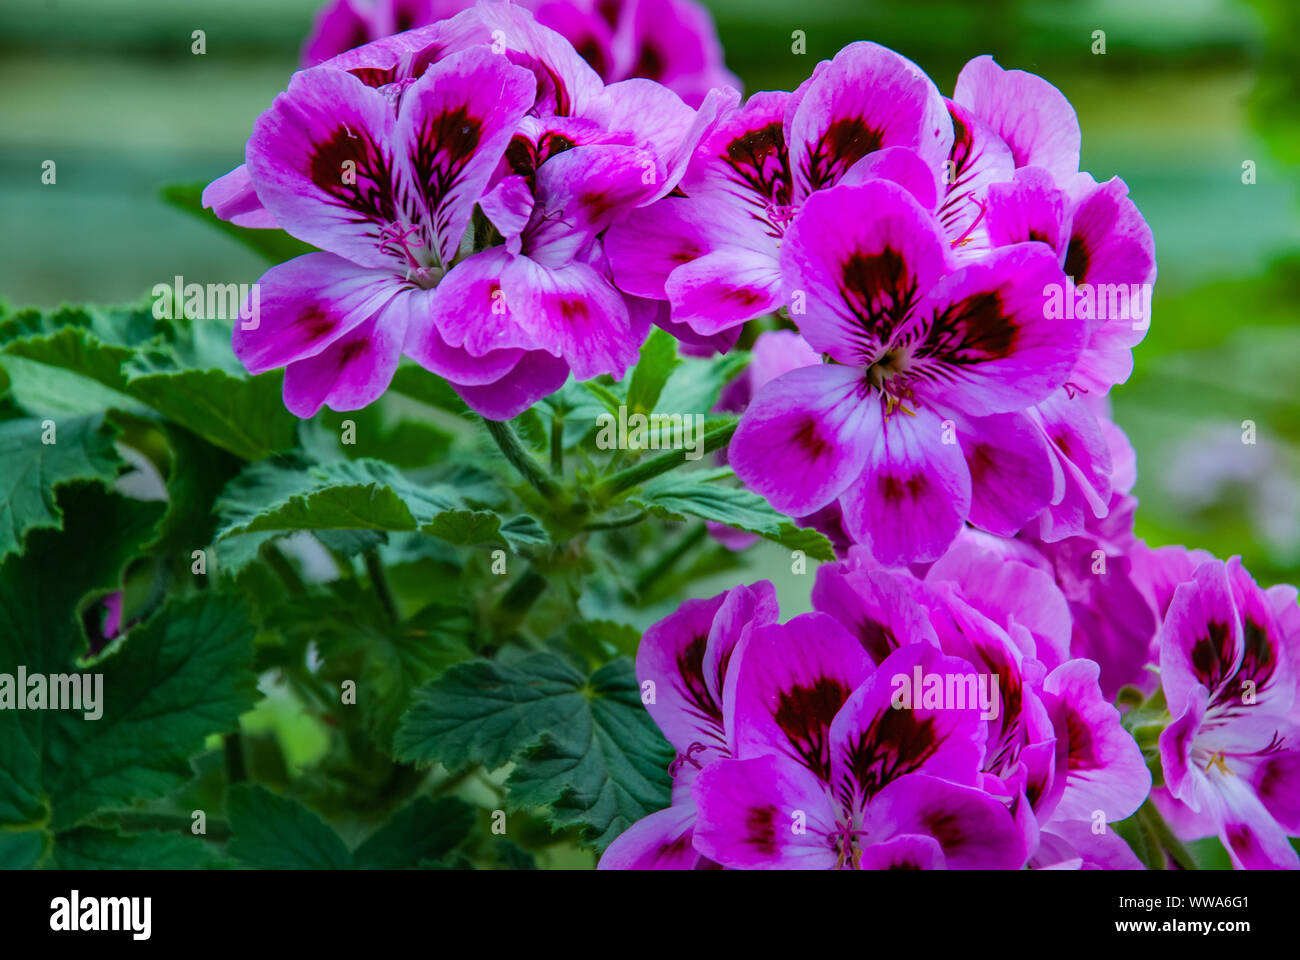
915	427
714	253
1229	659
672	42
687	656
379	157
828	773
1056	752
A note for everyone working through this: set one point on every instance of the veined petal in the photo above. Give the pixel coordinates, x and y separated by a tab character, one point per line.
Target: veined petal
321	160
874	742
881	609
1201	638
868	98
901	165
454	124
804	437
974	829
862	256
788	682
913	495
980	340
1010	470
723	289
744	160
354	370
978	160
536	375
661	841
906	852
1028	208
306	304
1034	118
1105	769
749	811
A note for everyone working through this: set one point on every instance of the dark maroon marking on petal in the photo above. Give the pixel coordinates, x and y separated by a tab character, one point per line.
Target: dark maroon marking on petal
521	156
350	352
1211	654
904	864
896	490
688	251
610	10
375	76
761	162
876	638
981	461
1240	839
945	827
1063	443
314	323
973	330
1035	235
1077	258
880	290
963	160
896	743
760	829
690	666
844	143
649	63
1083	749
443	147
804	714
745	298
590	50
675	847
1258	661
809	438
372	193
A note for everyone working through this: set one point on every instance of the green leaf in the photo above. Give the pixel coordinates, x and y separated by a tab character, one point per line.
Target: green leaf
422	830
275	833
593	756
658	360
702	494
83	450
41	630
22	849
169	684
472	527
90	848
184	371
276	245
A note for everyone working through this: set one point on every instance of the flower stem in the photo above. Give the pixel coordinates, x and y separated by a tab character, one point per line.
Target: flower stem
666	562
379	580
557	445
638	474
519	458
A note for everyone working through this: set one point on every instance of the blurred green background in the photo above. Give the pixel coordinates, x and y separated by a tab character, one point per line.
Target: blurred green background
1186	91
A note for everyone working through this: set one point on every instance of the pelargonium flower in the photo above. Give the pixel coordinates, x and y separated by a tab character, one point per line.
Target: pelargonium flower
827	773
1056	752
1229	669
379	157
686	657
713	252
672	42
916	424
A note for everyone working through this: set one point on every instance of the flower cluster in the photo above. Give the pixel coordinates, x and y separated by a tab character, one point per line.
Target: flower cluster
514	195
383	157
946	719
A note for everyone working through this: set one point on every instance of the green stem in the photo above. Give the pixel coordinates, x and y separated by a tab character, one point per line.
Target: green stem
233	747
284	569
379	580
519	458
666	562
1164	837
636	475
617	524
557	445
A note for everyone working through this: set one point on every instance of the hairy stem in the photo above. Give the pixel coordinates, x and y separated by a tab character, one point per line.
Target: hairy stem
379	580
519	458
669	559
636	475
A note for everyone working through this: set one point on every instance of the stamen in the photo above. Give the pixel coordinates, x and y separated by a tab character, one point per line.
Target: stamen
1071	389
687	757
1220	761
